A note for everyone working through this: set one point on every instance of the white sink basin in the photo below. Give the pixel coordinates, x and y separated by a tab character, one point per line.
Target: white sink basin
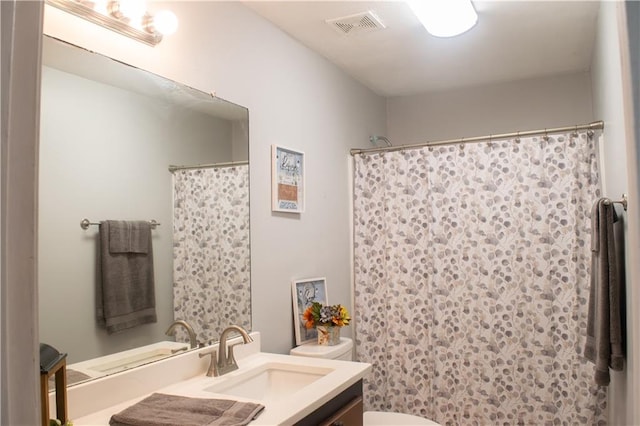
270	381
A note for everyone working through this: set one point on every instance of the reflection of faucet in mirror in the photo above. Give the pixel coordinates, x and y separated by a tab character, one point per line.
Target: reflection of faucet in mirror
225	361
193	342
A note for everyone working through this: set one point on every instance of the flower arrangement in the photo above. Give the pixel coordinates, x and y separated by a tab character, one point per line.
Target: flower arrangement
319	314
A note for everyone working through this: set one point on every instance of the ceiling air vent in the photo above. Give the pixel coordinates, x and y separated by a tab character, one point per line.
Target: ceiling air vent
355	24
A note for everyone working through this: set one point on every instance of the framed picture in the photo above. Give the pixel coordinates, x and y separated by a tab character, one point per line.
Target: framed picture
305	292
287	180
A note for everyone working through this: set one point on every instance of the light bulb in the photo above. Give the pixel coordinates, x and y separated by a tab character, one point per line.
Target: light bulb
165	22
133	9
445	18
100	6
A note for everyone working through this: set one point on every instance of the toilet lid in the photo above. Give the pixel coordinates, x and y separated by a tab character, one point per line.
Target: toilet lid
378	418
321	351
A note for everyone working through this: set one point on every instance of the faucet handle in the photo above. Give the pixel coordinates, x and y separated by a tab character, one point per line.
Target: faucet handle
231	359
212	371
229	363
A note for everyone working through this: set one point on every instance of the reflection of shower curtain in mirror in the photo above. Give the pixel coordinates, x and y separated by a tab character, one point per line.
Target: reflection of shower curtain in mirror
211	260
472	281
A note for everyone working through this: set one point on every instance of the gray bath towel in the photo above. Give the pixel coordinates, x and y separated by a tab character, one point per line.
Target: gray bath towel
604	346
125	296
170	410
129	236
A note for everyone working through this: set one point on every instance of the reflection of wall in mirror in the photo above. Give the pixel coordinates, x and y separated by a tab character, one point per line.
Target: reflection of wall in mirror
104	154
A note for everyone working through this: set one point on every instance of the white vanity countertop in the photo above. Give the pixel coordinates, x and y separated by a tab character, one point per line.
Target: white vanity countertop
277	412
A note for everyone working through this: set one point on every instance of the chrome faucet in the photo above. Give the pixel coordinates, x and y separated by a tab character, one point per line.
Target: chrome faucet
225	362
193	341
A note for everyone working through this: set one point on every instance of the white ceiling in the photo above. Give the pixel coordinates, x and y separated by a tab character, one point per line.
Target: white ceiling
513	40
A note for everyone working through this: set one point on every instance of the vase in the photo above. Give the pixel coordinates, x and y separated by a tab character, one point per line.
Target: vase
328	335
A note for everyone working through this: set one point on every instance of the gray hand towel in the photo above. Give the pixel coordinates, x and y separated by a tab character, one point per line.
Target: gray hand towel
125	296
170	410
604	345
129	236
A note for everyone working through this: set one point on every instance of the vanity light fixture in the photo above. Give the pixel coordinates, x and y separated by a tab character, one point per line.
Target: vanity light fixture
445	18
127	17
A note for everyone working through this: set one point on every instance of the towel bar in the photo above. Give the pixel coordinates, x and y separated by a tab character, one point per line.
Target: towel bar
623	201
85	223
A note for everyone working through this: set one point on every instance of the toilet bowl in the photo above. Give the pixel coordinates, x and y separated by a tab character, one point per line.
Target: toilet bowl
378	418
344	351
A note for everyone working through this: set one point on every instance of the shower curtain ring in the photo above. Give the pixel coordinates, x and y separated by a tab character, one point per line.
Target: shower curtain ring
518	137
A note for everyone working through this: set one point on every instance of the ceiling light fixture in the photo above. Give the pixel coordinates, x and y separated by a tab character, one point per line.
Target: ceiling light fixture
126	17
445	18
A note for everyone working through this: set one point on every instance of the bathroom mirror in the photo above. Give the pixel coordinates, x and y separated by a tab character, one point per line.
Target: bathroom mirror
109	133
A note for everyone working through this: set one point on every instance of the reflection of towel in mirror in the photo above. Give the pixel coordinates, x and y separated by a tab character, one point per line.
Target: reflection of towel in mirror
125	296
604	346
169	410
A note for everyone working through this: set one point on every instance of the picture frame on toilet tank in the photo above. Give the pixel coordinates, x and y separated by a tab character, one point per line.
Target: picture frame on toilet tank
287	180
304	293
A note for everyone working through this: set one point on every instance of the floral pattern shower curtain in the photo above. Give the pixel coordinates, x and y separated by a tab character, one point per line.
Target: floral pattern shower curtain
211	258
471	281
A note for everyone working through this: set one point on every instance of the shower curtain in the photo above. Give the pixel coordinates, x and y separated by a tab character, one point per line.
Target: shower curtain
211	259
471	281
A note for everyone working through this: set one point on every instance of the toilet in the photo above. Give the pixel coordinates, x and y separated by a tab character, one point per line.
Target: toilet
344	351
378	418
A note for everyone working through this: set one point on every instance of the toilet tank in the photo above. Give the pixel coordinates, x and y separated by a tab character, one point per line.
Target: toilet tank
341	351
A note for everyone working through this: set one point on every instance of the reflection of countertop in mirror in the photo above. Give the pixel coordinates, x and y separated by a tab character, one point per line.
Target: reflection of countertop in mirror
120	361
319	381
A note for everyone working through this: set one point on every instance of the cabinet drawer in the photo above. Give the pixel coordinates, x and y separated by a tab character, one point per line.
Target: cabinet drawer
348	415
330	411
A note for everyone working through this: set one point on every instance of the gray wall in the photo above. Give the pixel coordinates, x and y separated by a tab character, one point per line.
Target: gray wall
295	98
532	104
609	105
104	154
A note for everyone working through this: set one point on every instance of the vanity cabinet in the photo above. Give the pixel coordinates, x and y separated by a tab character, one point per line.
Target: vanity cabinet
349	415
345	409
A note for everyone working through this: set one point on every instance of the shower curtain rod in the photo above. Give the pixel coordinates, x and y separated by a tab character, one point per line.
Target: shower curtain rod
209	166
596	125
